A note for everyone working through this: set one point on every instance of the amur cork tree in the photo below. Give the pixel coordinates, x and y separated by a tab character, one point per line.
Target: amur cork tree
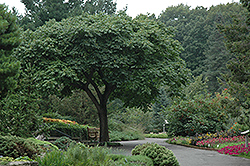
117	56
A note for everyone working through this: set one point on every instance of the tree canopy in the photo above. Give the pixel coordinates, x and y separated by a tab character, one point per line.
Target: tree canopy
128	58
238	42
38	12
196	29
10	39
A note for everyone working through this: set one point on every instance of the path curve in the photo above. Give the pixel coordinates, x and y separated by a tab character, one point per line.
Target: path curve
189	156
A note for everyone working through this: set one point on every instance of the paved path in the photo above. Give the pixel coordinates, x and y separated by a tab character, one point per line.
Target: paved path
189	156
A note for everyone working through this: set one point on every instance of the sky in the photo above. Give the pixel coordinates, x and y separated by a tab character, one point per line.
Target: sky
136	7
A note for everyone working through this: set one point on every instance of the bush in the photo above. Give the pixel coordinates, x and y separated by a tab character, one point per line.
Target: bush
68	127
19	116
137	160
63	143
77	156
200	115
160	155
13	146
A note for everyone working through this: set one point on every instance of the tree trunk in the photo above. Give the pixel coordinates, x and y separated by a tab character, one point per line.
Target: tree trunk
104	135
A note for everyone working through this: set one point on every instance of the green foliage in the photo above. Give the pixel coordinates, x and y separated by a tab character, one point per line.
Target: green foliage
63	143
77	156
160	155
126	135
137	160
43	143
179	140
5	160
216	54
53	158
73	130
237	79
128	123
74	54
204	50
202	114
77	107
39	12
10	39
13	146
162	135
19	117
158	114
190	31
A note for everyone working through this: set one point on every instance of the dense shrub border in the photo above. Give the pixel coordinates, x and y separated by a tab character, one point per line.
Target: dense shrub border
68	127
12	146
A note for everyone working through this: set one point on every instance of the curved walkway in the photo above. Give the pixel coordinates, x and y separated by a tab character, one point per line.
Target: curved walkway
188	156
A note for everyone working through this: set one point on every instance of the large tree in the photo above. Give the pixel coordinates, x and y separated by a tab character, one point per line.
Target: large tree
216	54
238	43
190	31
118	56
9	39
40	11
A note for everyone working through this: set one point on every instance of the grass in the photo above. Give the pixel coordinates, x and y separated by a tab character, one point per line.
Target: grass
161	135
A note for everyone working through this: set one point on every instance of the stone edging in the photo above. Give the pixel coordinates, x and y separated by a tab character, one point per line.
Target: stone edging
22	163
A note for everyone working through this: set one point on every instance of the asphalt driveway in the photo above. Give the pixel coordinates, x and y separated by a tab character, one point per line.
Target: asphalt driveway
188	156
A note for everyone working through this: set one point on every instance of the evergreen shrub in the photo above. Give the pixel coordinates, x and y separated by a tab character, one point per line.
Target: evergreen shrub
160	155
13	146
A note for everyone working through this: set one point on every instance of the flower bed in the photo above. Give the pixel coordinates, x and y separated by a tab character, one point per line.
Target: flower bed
230	145
236	150
213	142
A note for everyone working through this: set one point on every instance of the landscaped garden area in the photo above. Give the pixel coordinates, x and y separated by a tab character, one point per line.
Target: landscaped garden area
74	86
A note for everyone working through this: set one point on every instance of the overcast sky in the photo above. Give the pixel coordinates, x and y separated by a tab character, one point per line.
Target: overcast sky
136	7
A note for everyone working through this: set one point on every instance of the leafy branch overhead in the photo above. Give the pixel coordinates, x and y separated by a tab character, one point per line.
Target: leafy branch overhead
124	54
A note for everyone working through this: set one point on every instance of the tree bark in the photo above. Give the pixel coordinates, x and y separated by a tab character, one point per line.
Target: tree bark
103	117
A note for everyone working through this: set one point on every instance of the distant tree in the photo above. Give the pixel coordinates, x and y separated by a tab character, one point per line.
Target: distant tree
190	31
158	109
10	39
238	42
246	4
38	12
216	53
118	56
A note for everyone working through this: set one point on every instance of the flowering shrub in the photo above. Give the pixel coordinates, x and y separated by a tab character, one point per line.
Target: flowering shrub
200	115
235	150
212	142
47	120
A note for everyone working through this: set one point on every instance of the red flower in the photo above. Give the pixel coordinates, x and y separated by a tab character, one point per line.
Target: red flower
226	97
225	89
